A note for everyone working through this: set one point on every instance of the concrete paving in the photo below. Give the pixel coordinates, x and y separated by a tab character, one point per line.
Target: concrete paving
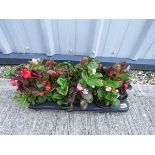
139	120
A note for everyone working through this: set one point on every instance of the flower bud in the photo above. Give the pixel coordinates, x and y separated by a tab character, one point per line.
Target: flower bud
79	87
108	88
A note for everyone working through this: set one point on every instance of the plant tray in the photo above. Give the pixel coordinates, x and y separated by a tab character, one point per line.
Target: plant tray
91	107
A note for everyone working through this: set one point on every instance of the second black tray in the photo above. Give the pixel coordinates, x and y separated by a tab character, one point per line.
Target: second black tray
91	107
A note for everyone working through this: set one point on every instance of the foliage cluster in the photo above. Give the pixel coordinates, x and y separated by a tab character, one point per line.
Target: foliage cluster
87	82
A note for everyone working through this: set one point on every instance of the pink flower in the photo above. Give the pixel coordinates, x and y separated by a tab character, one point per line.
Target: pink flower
13	82
126	86
51	72
108	88
85	91
79	87
35	61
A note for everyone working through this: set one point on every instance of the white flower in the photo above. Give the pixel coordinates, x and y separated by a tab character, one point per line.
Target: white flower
35	61
108	88
93	86
39	59
93	71
85	91
117	90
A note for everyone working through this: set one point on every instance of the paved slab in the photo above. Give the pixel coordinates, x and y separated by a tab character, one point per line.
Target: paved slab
140	119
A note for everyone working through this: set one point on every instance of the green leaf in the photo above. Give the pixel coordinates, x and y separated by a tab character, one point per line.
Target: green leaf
111	96
101	94
63	86
62	81
42	99
83	83
116	103
90	81
10	72
97	75
41	68
84	76
61	102
97	82
57	96
93	65
111	83
80	66
62	65
125	76
117	84
49	98
88	97
25	100
62	90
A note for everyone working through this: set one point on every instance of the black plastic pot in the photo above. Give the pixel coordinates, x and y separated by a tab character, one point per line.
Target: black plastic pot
123	97
91	107
103	104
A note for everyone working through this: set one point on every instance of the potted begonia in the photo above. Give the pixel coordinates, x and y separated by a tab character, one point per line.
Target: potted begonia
88	85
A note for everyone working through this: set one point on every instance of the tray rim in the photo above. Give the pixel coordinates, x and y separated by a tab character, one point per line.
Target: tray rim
91	107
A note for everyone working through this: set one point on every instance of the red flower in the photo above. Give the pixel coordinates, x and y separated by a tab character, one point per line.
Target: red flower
58	71
44	82
126	86
48	87
13	82
25	73
41	93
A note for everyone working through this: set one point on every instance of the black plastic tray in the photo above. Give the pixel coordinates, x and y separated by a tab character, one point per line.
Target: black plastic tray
91	107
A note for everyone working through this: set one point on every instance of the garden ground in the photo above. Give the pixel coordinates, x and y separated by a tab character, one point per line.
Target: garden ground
140	119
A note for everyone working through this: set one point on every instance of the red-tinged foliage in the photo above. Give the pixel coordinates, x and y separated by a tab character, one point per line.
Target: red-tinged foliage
110	72
117	73
85	60
52	73
53	81
58	71
121	81
48	62
20	84
36	74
